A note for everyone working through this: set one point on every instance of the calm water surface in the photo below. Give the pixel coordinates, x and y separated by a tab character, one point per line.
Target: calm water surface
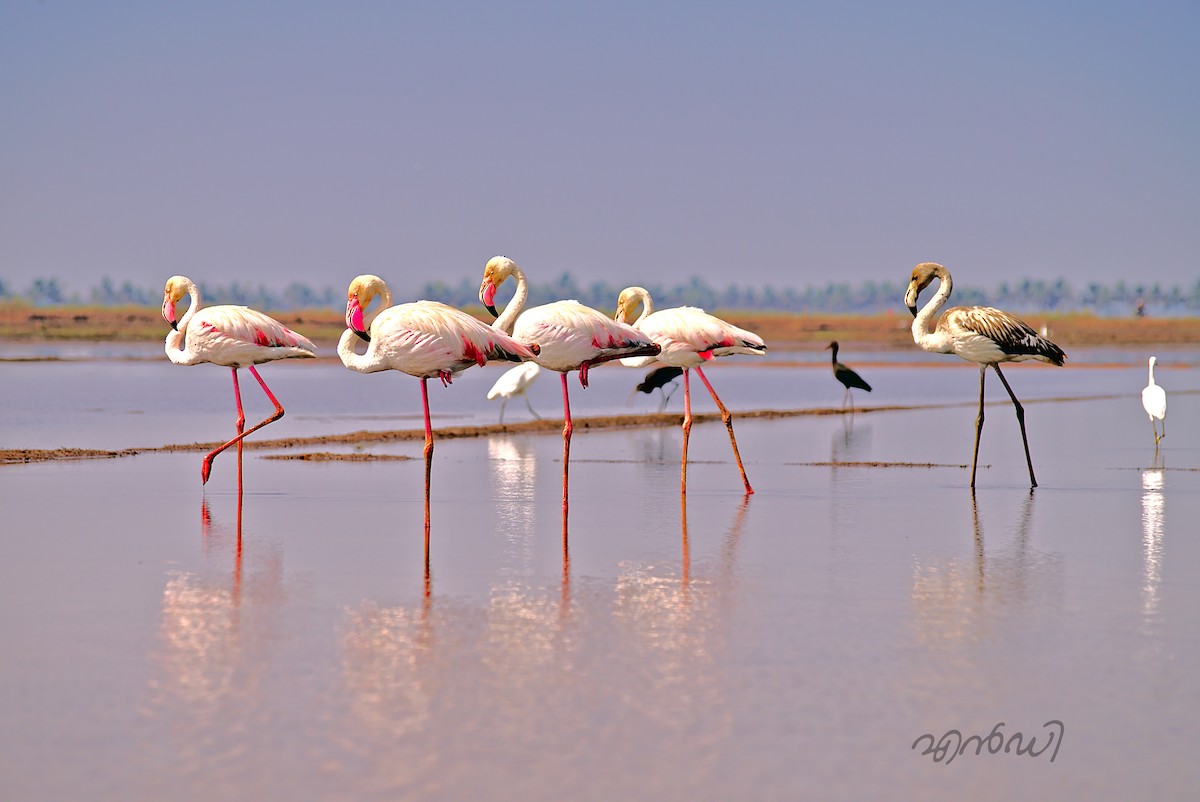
168	641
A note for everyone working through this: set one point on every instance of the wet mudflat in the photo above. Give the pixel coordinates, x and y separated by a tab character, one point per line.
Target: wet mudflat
165	640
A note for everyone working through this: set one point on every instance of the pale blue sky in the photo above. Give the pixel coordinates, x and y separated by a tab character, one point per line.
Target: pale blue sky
767	142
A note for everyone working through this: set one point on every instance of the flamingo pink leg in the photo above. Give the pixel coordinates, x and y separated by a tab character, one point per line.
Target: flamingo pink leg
728	418
428	464
687	429
568	427
206	466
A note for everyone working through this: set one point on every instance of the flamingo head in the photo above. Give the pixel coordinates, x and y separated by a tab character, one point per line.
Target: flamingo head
627	303
177	287
922	276
362	291
495	272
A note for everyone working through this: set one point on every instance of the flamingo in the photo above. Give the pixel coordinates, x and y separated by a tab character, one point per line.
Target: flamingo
978	334
657	379
846	376
572	337
231	336
1154	401
513	383
689	337
425	339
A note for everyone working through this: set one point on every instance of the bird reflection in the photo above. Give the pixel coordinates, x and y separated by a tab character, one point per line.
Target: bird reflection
386	668
956	600
672	616
851	441
206	657
514	476
1153	503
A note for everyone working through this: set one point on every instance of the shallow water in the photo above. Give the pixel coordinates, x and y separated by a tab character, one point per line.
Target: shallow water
790	645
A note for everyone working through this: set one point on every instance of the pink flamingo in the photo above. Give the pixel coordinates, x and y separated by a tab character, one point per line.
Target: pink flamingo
232	336
425	339
689	337
572	337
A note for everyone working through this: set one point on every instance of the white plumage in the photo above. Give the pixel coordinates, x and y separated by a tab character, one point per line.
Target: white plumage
425	339
979	334
231	336
1154	401
688	337
513	383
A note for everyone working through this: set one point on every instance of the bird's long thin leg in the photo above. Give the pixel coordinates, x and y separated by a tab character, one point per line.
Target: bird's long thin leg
1021	420
206	467
428	463
568	427
728	418
532	411
978	424
240	424
687	429
503	404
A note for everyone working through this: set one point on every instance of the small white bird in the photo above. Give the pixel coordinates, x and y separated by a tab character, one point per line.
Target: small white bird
1154	401
231	336
513	383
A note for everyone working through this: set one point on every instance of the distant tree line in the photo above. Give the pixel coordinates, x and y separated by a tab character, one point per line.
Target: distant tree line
865	297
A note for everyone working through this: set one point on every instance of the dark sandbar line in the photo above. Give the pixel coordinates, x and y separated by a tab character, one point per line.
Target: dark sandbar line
544	426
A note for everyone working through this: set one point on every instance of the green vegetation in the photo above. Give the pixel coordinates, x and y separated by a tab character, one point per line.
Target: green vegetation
867	297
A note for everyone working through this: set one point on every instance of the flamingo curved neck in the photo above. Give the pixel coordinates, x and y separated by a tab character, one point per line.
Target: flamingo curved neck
385	300
508	318
643	295
932	341
363	363
176	343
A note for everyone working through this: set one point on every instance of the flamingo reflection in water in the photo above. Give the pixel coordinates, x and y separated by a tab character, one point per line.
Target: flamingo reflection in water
211	655
957	601
674	617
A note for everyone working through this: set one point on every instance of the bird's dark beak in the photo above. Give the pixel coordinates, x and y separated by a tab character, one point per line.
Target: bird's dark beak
174	324
363	336
913	308
487	296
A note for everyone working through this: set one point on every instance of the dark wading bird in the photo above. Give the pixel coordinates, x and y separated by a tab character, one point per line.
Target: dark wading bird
846	376
978	334
658	379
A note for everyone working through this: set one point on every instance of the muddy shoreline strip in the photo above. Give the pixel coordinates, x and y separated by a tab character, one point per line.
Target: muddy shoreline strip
15	456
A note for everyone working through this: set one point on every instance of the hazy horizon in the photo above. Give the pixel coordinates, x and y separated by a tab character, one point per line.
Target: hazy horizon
785	144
